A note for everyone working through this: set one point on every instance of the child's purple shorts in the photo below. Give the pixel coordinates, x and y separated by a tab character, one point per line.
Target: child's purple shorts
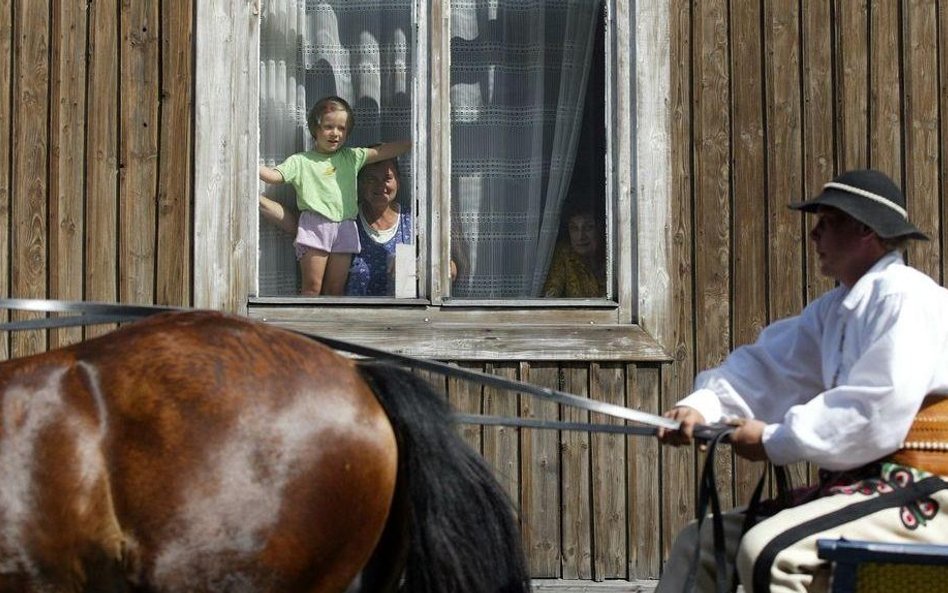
315	231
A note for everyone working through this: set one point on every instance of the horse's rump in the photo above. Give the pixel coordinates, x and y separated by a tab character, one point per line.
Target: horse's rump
190	451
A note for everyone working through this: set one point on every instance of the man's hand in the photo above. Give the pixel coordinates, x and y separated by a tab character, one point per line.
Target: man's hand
747	440
688	417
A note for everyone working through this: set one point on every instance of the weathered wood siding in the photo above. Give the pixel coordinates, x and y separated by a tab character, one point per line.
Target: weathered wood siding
768	99
96	116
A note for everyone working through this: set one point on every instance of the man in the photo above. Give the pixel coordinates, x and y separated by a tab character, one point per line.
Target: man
837	386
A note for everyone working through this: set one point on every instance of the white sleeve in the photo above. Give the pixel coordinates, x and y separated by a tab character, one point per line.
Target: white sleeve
867	417
764	379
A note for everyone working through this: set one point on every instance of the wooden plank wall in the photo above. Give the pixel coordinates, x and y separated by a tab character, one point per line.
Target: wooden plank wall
95	154
589	504
768	99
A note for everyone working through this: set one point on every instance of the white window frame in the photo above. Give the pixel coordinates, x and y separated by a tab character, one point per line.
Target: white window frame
635	327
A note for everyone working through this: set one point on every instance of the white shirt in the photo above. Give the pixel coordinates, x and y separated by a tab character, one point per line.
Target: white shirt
840	384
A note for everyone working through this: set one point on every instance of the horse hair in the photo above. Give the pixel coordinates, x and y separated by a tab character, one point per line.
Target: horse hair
464	535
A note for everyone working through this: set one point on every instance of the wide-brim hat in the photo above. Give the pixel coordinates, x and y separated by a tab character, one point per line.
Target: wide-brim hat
871	198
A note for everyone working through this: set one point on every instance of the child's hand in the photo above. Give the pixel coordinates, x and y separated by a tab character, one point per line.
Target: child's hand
270	175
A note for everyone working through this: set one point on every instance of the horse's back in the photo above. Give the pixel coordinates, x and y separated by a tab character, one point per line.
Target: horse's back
203	452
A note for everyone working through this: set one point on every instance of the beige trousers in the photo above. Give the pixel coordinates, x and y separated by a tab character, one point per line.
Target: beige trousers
779	553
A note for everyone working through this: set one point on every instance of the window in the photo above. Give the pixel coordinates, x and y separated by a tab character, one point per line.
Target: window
515	202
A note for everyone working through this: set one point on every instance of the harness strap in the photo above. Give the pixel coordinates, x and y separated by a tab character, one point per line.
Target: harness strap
553	424
708	494
91	313
70	321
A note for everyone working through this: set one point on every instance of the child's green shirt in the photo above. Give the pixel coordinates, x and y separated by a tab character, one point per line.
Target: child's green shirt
325	183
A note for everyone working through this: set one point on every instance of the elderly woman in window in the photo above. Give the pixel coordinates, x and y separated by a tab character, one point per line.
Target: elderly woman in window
578	269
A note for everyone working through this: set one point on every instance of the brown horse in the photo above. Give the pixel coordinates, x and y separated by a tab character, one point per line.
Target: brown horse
203	452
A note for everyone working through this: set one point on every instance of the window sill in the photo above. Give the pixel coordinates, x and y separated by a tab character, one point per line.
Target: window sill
451	334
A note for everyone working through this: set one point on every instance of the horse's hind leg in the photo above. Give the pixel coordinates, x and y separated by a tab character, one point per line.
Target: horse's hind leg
60	531
86	551
384	570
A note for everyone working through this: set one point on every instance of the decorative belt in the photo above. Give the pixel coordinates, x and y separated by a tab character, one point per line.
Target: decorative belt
926	444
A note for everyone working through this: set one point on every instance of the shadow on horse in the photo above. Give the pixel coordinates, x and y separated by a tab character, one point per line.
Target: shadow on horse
204	452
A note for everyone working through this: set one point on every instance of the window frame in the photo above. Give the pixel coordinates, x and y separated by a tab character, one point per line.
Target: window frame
638	181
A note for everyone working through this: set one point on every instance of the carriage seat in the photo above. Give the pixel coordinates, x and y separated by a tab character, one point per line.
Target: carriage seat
864	567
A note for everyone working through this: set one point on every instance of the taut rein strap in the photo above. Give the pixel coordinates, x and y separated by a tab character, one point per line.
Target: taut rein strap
83	313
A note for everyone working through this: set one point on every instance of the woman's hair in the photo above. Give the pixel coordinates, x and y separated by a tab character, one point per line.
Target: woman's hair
327	105
572	209
393	161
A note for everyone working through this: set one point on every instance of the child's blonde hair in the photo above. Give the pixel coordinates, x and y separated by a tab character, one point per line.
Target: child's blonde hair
327	105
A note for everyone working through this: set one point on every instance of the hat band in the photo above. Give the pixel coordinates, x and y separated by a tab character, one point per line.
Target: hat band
867	194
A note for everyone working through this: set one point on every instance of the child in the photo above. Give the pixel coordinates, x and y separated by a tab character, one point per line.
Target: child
325	184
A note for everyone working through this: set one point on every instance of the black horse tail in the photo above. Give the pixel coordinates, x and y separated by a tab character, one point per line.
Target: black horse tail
462	531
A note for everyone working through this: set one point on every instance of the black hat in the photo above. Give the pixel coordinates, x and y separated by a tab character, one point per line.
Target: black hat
871	198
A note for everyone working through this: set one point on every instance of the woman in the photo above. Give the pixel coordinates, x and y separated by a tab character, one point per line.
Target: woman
578	269
382	223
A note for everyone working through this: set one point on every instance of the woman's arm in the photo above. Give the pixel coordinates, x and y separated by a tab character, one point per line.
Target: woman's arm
284	217
270	175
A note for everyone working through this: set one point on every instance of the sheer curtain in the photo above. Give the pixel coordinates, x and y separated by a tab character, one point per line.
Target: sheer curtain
356	49
518	78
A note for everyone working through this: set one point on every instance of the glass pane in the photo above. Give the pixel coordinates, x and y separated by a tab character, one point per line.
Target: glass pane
528	148
359	50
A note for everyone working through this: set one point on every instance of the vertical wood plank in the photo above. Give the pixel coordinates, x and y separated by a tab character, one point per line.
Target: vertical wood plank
645	489
713	212
885	102
30	140
438	381
621	169
750	212
943	135
784	175
540	494
852	58
921	131
67	158
678	463
225	153
607	383
175	156
138	177
653	175
818	98
465	397
784	163
6	142
502	443
101	261
574	452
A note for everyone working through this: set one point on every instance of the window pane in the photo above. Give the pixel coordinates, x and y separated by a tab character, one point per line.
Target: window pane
528	140
359	50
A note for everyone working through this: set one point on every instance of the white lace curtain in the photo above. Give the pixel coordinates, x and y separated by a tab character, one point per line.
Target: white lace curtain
518	76
518	80
356	49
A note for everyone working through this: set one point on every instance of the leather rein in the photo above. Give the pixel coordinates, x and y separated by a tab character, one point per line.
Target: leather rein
80	314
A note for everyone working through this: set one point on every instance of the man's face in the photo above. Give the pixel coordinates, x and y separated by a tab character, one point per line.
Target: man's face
840	244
